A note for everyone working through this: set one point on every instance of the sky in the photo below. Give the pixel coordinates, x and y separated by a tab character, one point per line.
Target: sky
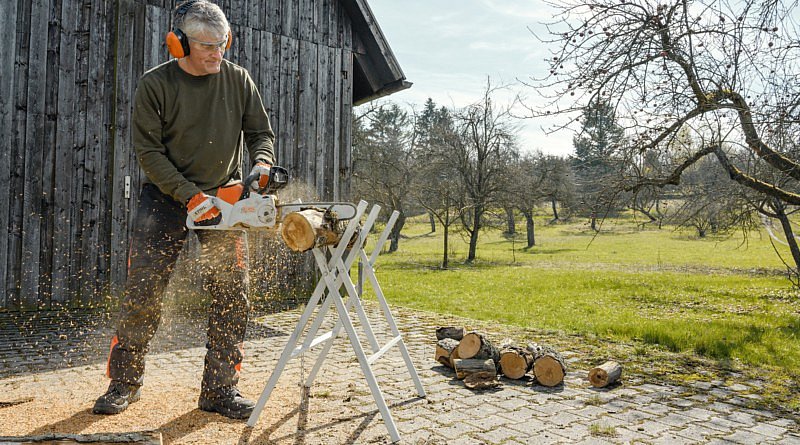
448	49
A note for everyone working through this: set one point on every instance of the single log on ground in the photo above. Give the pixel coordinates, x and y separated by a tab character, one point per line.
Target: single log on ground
481	380
549	367
454	332
476	345
136	438
468	366
515	361
445	348
605	374
309	228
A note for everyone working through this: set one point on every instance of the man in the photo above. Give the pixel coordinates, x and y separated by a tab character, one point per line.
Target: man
188	121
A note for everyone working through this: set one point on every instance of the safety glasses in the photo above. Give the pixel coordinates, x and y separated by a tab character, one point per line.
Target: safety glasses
211	47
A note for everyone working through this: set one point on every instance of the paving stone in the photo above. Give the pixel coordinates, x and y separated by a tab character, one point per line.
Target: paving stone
746	437
675	419
766	429
497	435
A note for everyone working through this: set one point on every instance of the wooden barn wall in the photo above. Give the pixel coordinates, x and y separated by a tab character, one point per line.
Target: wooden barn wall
67	168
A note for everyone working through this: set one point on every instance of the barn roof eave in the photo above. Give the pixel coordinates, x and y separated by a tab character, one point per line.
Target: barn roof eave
392	88
383	73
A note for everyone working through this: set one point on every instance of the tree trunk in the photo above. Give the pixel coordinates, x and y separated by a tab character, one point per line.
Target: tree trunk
309	228
432	221
780	211
445	261
395	235
594	221
473	235
553	203
511	227
530	229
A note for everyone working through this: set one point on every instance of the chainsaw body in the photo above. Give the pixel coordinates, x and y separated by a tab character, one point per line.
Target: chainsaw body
242	209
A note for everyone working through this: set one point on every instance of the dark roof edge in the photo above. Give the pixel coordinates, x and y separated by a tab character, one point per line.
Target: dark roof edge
391	88
384	72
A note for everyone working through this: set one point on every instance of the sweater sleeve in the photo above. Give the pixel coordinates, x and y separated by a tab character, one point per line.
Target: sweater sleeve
150	151
257	130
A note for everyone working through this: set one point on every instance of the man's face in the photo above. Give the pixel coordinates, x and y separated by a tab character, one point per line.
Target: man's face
206	53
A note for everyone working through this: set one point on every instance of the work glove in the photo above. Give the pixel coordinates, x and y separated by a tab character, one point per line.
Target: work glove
262	170
202	211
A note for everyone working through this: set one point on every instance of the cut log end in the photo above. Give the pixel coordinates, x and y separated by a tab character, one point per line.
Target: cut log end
309	228
470	345
513	365
548	371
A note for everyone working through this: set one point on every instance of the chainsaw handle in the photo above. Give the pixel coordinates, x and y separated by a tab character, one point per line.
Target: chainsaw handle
278	178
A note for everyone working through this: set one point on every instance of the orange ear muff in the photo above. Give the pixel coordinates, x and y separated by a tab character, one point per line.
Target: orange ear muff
177	44
230	39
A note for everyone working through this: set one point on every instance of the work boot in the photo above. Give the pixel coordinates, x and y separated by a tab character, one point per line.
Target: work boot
117	398
227	401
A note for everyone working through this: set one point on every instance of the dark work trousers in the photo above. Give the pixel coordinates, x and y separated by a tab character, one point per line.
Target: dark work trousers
159	232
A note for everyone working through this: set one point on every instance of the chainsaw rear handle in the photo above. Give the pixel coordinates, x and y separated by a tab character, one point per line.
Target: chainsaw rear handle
278	178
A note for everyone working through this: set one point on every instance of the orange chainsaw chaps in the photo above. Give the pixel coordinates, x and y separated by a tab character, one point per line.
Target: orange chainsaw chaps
231	193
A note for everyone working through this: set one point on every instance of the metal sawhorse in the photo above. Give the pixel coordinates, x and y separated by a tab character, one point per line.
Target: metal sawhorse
334	268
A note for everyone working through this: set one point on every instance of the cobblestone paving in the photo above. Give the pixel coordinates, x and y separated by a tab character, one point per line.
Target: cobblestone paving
46	364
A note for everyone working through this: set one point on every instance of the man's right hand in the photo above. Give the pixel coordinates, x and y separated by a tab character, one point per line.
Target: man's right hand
202	211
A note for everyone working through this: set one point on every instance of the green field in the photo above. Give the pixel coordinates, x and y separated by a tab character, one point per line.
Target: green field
722	298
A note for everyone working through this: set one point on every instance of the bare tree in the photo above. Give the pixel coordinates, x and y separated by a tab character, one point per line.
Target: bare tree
725	70
480	154
384	161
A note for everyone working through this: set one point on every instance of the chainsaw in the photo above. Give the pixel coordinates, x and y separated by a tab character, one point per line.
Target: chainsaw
243	209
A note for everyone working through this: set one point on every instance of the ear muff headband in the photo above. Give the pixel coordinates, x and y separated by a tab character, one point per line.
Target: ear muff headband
177	41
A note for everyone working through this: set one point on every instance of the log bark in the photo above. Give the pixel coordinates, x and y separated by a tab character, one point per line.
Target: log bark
515	361
454	332
549	367
309	228
444	349
476	345
605	374
482	380
466	367
453	357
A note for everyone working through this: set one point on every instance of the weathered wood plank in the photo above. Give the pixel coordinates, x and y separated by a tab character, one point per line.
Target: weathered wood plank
306	25
34	137
8	14
346	125
307	112
63	172
272	19
288	104
121	205
337	118
323	118
48	153
289	19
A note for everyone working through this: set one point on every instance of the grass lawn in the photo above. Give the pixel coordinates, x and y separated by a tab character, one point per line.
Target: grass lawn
724	299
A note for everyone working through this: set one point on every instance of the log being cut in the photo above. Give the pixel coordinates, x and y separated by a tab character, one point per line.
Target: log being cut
309	228
549	367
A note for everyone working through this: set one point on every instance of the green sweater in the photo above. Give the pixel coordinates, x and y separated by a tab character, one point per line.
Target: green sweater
187	129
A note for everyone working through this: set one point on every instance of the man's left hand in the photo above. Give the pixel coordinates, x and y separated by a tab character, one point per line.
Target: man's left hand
262	169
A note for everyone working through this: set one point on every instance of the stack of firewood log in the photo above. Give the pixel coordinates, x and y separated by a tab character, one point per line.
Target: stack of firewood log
478	362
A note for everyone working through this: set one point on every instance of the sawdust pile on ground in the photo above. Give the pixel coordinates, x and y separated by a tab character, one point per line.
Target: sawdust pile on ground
171	408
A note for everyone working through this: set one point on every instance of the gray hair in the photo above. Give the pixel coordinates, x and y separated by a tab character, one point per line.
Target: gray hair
203	17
